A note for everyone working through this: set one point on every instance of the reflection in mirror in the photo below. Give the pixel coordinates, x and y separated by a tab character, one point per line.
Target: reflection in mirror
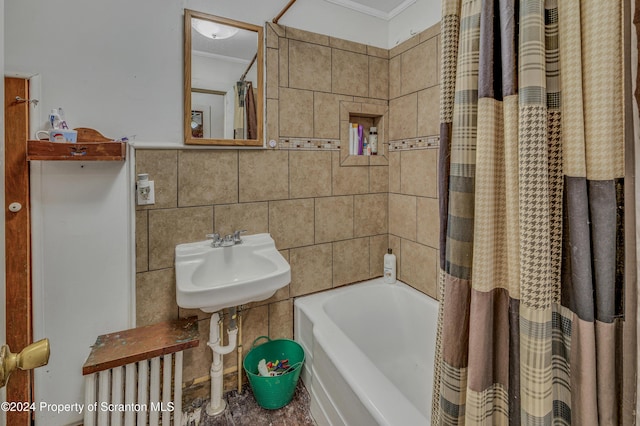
223	81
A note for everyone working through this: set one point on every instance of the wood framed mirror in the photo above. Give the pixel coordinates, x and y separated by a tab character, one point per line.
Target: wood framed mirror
223	88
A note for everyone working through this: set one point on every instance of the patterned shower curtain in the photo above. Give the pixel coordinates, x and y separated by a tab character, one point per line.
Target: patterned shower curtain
532	285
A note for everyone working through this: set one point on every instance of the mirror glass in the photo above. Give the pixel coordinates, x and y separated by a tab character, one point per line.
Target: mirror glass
223	81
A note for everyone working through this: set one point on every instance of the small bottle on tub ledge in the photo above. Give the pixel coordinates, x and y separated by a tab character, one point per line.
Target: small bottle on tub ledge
389	267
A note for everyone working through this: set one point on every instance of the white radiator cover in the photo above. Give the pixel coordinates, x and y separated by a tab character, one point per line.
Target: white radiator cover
140	393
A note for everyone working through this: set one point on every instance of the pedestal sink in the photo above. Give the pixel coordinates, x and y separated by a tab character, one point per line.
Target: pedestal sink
214	278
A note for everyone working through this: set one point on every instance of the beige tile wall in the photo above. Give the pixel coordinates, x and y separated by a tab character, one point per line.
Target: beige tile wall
332	222
413	189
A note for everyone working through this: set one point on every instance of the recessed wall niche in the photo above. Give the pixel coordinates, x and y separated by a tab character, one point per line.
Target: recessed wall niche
368	115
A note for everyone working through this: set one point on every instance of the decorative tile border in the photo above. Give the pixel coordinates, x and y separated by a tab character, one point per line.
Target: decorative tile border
309	144
415	143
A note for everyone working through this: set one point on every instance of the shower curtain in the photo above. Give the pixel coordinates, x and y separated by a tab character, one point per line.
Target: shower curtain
252	119
239	124
532	324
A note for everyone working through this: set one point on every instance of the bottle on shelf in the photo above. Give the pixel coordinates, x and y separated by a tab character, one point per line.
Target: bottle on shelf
373	140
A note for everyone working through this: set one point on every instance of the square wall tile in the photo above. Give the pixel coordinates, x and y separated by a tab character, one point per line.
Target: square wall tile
307	36
156	297
273	120
169	227
162	167
255	323
348	108
419	267
264	175
283	50
187	313
379	179
142	241
273	73
419	67
309	66
378	51
396	248
291	222
378	248
281	320
402	216
349	73
404	46
280	30
309	174
296	113
350	261
429	111
326	114
403	117
347	45
395	78
207	177
311	269
370	217
378	78
271	37
348	179
394	171
197	361
334	219
252	217
419	172
428	222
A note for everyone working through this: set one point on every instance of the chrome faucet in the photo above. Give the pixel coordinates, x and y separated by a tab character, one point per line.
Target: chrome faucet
236	236
216	241
228	240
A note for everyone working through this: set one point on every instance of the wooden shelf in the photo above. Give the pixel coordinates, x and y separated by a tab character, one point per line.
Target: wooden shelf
137	344
80	151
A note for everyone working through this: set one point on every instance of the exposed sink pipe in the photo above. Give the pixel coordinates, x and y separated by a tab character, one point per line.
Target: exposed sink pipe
277	18
217	404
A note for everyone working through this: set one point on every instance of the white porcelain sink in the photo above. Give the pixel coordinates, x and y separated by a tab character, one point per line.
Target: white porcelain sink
212	279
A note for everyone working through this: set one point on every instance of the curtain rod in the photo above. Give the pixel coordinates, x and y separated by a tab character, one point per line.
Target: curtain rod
249	67
277	18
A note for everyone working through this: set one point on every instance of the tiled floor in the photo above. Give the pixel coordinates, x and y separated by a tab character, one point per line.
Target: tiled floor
242	409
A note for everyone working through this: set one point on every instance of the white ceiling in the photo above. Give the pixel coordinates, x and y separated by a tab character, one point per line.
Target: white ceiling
384	9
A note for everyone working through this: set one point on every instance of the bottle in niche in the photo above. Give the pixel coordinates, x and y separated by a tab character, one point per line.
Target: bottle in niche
373	140
389	267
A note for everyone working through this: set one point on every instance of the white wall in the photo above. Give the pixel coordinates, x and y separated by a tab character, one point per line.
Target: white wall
414	19
81	263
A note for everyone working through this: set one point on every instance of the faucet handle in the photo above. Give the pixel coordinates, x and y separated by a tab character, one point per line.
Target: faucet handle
216	239
236	236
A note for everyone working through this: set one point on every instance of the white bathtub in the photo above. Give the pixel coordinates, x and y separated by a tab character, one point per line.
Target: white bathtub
369	351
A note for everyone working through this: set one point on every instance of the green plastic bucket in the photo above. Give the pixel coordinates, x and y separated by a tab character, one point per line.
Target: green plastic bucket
277	391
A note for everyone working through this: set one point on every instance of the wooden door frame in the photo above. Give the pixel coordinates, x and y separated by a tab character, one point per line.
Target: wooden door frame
19	329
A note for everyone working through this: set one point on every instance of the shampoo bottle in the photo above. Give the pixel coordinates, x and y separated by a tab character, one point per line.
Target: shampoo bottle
389	267
373	140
